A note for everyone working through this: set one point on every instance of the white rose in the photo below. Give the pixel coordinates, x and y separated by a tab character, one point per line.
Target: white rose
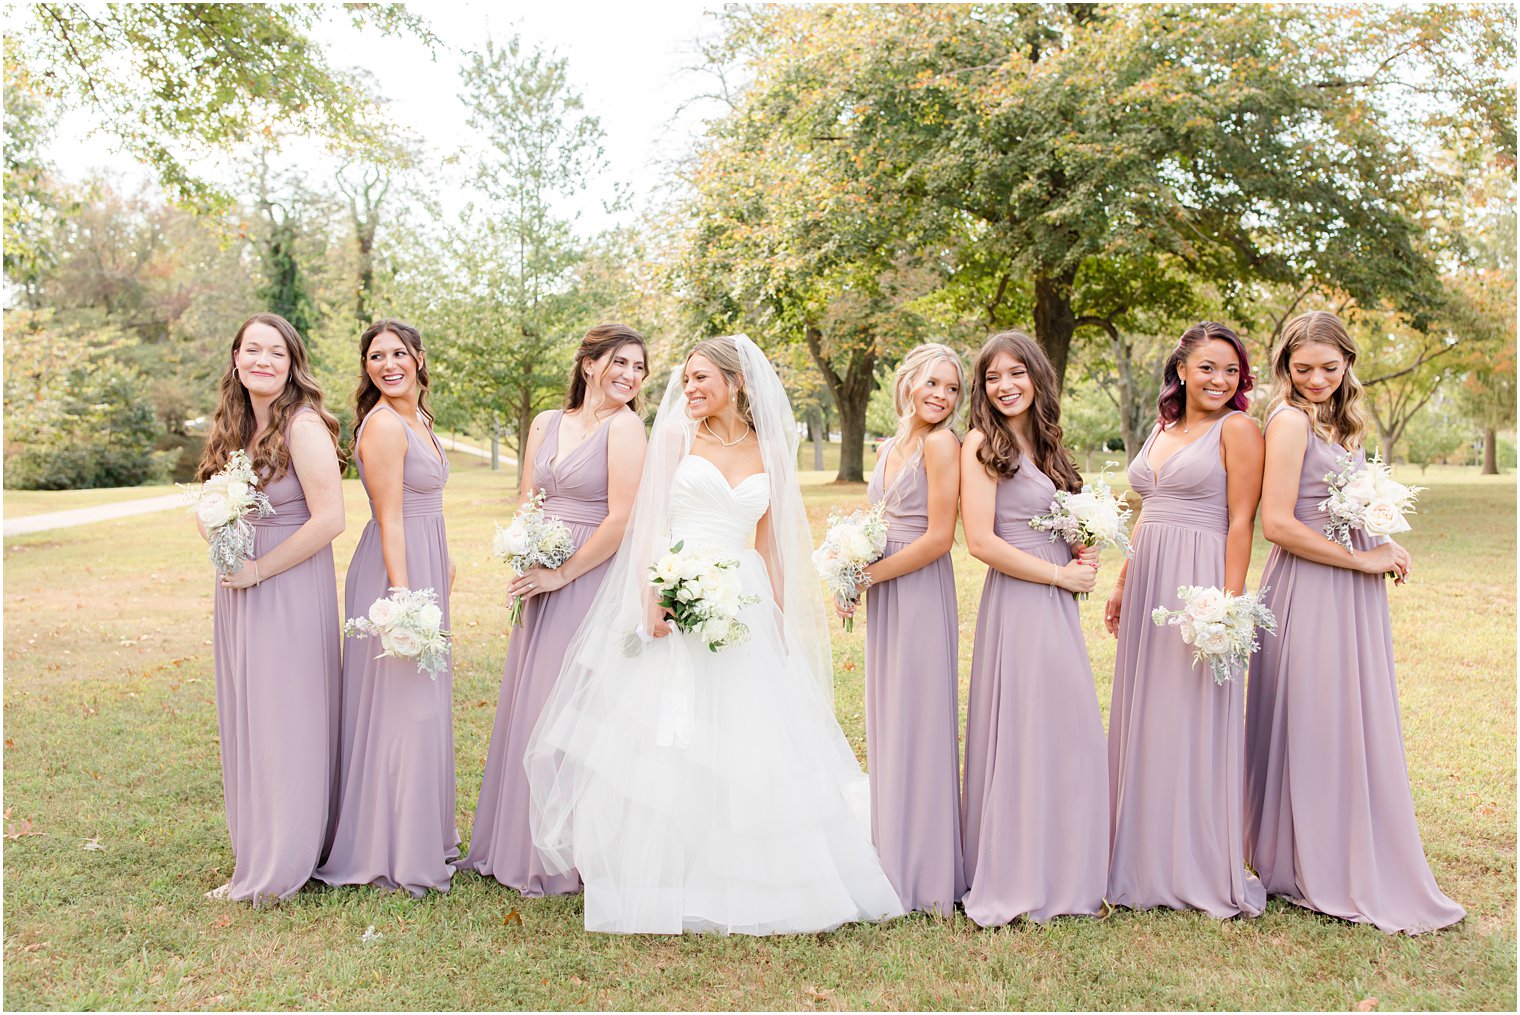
237	491
1213	639
382	613
1383	518
404	642
1082	505
692	566
1362	487
215	509
1208	606
1392	490
429	616
1189	632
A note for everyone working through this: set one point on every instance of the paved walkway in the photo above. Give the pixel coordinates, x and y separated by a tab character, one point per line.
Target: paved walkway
147	505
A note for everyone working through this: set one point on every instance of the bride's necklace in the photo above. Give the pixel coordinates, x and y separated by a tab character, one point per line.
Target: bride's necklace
727	444
1187	427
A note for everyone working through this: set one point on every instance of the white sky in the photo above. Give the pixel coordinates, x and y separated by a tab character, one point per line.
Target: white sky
629	61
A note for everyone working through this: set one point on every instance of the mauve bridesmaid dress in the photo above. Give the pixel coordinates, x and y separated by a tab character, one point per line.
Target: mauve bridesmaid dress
395	822
277	706
1036	770
912	712
1175	738
501	844
1329	818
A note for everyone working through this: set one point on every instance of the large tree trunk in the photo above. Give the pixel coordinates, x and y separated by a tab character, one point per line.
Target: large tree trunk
1054	319
1490	452
852	393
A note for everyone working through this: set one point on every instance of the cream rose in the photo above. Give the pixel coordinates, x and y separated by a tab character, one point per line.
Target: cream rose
382	613
429	616
1383	518
1208	606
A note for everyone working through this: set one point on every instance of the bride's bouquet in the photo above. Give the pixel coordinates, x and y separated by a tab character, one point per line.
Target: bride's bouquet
1365	498
534	539
1094	517
701	590
224	503
409	625
852	542
1220	627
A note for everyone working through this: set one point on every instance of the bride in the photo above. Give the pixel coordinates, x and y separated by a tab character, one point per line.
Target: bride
698	790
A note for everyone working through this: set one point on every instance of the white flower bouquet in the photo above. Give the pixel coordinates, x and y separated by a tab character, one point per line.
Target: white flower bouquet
852	542
224	503
1094	517
1365	498
409	625
1220	627
701	590
534	539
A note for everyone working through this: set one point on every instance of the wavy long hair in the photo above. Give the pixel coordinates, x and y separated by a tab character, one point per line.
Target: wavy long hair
1341	419
723	353
910	374
367	396
598	342
1172	400
233	424
999	450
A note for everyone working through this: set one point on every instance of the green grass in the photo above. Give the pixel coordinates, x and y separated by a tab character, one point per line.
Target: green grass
110	735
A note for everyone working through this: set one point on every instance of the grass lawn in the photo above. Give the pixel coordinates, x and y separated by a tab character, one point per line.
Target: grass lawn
111	742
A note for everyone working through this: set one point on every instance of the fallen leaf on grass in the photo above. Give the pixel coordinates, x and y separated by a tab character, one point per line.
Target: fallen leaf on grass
511	918
1367	1004
222	921
849	665
370	936
92	845
9	742
23	827
36	946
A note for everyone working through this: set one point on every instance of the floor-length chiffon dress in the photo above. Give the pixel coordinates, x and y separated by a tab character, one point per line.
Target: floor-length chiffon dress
912	708
276	655
395	823
1036	801
1330	822
1175	738
501	845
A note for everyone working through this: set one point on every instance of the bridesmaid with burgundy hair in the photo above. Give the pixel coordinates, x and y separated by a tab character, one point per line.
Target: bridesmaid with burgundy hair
275	626
1175	738
1330	823
1036	783
587	459
395	822
912	708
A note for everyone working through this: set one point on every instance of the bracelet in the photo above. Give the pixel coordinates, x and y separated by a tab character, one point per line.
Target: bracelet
256	579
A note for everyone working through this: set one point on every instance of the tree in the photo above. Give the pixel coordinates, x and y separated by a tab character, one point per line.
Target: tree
174	82
1435	434
284	289
33	202
365	188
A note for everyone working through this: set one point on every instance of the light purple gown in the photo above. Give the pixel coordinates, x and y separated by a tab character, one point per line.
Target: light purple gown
395	822
501	844
1036	802
912	712
1329	818
277	705
1175	738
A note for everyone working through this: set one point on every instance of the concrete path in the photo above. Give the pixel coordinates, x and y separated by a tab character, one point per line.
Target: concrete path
147	505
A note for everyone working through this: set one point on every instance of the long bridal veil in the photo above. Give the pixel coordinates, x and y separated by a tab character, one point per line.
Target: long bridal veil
562	758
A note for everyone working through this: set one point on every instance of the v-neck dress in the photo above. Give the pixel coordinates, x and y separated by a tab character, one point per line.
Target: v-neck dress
1175	738
912	706
395	822
501	845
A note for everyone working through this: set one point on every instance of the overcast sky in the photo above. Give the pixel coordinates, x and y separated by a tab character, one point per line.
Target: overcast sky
630	62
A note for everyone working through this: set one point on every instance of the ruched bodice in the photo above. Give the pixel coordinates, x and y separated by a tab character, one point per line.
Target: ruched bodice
424	470
706	511
1320	457
905	500
288	500
574	483
1028	493
1190	488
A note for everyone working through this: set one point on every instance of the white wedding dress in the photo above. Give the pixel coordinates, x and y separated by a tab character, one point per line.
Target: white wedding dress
713	791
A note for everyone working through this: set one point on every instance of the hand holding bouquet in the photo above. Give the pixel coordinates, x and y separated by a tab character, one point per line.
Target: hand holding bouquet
534	539
1094	517
408	624
852	542
1220	627
701	590
1365	498
224	504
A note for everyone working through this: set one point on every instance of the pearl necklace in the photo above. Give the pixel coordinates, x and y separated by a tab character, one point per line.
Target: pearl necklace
727	444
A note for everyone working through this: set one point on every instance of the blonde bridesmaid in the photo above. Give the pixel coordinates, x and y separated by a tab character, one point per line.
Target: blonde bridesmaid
1036	804
1329	819
912	630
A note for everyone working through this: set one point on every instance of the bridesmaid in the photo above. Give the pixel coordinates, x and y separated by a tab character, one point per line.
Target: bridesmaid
1329	819
276	637
912	707
395	820
1036	803
587	459
1175	751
